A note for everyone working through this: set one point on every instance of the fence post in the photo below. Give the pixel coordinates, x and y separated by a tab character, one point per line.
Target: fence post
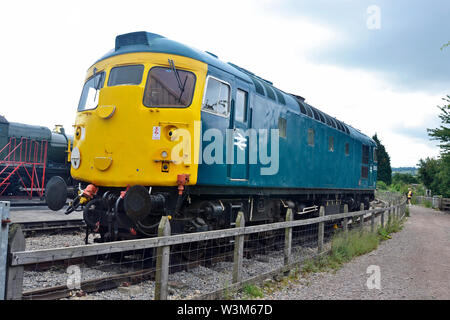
288	239
382	218
4	231
403	210
345	222
14	275
390	213
162	262
372	220
399	211
321	230
238	249
361	218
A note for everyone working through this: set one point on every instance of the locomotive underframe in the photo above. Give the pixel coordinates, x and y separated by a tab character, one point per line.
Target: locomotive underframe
201	208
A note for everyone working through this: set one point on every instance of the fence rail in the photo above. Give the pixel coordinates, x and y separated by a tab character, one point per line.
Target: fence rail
165	242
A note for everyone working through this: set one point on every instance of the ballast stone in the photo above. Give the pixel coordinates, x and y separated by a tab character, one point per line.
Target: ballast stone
131	290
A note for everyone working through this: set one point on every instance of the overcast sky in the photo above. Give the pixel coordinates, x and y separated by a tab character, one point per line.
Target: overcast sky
377	65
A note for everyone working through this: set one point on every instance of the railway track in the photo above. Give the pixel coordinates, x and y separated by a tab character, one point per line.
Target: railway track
89	286
111	282
33	227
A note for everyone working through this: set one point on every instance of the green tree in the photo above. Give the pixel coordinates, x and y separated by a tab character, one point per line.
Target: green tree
428	171
405	178
384	162
442	133
435	173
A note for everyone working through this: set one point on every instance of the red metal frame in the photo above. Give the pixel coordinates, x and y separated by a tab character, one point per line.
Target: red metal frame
28	154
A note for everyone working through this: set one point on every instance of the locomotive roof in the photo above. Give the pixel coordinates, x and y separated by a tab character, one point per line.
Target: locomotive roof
3	119
142	41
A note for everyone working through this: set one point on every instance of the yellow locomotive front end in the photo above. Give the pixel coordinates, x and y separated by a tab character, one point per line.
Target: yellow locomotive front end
137	119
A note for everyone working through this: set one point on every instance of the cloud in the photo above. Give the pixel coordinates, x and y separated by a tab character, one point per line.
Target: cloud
386	81
405	49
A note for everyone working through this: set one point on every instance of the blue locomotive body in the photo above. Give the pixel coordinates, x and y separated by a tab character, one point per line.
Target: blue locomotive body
316	151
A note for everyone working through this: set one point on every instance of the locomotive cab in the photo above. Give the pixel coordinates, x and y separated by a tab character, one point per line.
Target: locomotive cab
131	108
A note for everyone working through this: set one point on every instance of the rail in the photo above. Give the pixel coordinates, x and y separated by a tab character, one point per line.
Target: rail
19	258
32	227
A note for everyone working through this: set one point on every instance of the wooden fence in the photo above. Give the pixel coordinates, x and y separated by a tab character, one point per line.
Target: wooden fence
18	257
440	203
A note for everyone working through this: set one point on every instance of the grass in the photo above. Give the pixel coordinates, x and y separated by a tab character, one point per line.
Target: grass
427	204
345	247
252	291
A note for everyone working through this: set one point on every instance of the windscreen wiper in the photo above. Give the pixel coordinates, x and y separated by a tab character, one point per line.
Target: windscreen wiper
177	76
97	87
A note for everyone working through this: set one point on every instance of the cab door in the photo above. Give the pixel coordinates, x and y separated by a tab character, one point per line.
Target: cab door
238	139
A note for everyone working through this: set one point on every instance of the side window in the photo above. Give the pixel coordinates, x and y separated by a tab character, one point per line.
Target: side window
347	149
125	75
90	93
282	127
240	112
217	97
331	144
375	159
311	137
365	154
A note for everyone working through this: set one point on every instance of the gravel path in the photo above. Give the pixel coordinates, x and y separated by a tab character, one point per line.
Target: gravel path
414	264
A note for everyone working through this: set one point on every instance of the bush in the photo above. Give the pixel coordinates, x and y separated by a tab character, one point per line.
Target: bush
381	185
427	203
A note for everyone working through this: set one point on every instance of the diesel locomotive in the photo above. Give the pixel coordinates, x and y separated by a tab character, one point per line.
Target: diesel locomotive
163	129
